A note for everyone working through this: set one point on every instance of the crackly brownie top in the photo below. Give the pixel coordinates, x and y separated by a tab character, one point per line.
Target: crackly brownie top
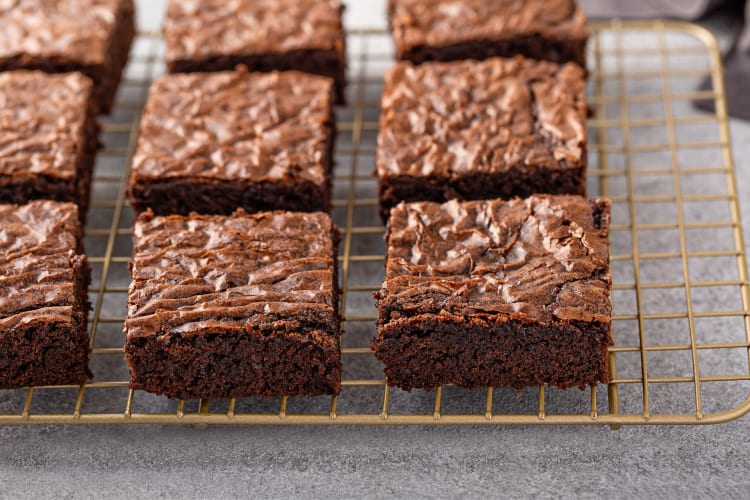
38	245
201	29
63	31
545	258
42	120
450	119
441	23
202	273
236	126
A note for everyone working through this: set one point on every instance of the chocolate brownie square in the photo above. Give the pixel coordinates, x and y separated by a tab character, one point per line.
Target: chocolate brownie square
234	306
496	293
213	143
449	30
263	35
49	137
478	130
90	36
44	282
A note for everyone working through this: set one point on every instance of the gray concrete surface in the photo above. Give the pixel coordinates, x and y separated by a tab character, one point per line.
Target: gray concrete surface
417	462
707	462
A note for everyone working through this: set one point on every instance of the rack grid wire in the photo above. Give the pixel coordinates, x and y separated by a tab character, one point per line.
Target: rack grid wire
680	295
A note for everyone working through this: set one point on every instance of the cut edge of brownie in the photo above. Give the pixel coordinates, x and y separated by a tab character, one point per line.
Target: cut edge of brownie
321	341
57	352
393	190
532	47
184	196
431	350
330	64
120	44
314	354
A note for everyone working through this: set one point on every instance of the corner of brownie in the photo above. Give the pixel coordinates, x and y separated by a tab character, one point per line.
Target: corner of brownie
496	293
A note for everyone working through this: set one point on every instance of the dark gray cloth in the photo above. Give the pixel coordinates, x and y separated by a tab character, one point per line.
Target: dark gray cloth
737	58
683	9
736	76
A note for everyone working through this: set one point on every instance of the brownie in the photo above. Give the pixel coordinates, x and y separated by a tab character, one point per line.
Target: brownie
49	137
263	35
44	280
213	143
481	130
449	30
234	306
496	293
61	36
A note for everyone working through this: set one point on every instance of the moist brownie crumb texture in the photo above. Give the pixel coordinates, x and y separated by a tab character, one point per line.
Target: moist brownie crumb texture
446	30
59	36
43	305
264	35
495	293
245	305
481	130
49	137
213	143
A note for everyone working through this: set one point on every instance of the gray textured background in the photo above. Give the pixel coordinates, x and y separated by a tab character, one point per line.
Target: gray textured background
153	461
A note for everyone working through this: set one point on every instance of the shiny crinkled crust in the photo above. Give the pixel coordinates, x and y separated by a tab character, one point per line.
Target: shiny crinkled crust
78	31
196	29
42	123
38	259
545	259
441	23
196	273
236	126
451	119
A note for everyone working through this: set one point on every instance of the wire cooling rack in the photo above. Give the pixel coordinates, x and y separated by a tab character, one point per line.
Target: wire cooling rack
680	290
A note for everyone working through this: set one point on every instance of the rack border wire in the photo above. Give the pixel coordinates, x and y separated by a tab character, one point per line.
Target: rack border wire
604	407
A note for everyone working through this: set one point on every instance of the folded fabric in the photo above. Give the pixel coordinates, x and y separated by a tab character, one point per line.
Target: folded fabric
736	75
683	9
736	61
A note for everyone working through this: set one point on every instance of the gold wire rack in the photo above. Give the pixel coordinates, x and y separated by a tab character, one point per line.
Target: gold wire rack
680	290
